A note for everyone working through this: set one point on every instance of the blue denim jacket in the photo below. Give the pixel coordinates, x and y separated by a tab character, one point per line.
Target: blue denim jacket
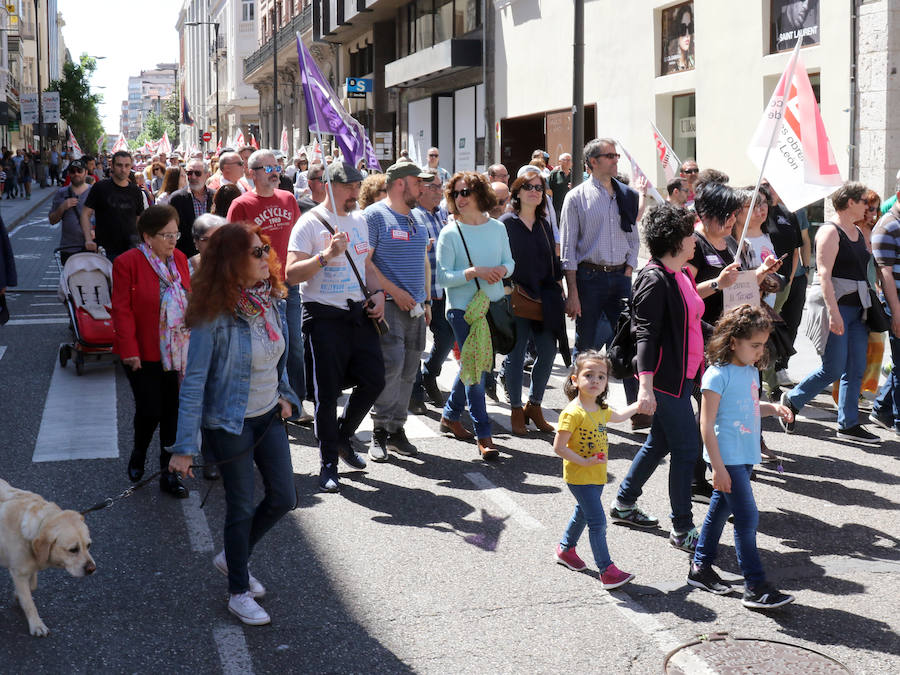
216	382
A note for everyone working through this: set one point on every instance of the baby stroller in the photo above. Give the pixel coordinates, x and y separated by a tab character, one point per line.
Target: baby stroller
85	287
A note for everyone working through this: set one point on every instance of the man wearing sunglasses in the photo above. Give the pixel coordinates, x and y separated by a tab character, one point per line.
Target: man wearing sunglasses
67	204
275	211
191	201
599	249
114	203
689	173
231	171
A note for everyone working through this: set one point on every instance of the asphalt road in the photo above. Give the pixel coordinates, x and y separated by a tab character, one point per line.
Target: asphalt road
438	563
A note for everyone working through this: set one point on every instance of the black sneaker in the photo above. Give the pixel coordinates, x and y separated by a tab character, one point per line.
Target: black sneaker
417	407
858	434
378	449
634	516
766	596
701	492
788	426
328	479
882	422
707	579
433	391
398	442
352	458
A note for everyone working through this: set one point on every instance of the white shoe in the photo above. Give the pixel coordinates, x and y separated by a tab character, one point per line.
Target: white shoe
257	590
783	379
377	452
244	607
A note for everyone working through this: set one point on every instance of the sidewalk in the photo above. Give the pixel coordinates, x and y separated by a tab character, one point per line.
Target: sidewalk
15	211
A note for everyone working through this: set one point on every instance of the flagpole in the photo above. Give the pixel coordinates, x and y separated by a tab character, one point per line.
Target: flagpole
775	130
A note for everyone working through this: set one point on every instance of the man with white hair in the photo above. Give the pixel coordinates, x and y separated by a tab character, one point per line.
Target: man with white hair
191	201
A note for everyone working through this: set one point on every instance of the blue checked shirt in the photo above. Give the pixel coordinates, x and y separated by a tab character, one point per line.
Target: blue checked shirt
591	231
433	224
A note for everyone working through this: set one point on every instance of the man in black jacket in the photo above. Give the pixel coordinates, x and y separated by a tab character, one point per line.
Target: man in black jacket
190	202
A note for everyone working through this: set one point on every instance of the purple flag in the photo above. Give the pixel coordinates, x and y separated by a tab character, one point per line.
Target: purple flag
323	111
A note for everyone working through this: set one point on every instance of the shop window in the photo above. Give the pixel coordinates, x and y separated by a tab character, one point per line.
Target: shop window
684	129
791	20
677	51
423	19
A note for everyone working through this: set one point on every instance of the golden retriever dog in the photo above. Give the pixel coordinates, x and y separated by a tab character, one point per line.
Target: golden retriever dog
36	534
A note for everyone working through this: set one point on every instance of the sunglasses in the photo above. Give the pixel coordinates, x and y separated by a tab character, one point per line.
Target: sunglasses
686	29
690	171
193	172
872	209
609	155
260	251
465	192
169	236
201	238
268	169
529	187
434	155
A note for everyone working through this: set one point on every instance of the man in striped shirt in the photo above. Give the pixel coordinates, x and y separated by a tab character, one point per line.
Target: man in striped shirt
886	249
599	249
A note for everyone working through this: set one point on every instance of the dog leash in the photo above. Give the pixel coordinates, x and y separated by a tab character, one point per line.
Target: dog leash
109	501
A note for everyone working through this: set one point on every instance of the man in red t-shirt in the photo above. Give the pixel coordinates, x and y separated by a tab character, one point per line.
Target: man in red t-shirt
276	212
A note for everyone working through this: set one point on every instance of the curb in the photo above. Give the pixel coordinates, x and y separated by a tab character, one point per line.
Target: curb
36	204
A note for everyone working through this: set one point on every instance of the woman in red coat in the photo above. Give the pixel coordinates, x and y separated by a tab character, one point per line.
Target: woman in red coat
150	286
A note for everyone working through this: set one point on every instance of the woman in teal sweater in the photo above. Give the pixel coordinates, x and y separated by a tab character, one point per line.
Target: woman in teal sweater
489	260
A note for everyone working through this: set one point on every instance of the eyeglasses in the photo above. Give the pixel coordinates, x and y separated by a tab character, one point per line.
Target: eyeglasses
609	155
465	192
872	209
169	236
201	238
528	187
193	172
435	155
689	171
686	29
260	251
268	169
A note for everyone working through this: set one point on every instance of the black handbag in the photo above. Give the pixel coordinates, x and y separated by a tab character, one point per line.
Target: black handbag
622	348
499	316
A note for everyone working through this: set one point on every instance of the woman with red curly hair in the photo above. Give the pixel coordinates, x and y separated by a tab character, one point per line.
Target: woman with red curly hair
235	388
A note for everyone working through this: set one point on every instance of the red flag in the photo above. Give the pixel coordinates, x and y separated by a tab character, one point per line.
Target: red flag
670	163
219	147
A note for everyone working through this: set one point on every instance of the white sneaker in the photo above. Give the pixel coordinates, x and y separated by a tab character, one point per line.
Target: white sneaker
244	607
257	590
783	379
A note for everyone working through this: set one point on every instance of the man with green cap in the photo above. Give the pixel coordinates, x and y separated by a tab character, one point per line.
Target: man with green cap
398	239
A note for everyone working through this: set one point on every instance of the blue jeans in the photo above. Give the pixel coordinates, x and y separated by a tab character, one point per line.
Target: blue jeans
463	394
844	358
442	344
588	511
673	431
295	365
514	364
740	502
600	295
887	404
245	524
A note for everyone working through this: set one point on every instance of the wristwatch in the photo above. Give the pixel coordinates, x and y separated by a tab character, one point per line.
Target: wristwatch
714	285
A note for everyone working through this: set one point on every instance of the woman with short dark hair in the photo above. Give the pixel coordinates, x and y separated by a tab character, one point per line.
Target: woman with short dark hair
666	319
149	299
223	197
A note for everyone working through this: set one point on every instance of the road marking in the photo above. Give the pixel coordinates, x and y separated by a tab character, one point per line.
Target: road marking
233	653
2	351
197	525
500	497
79	419
28	256
35	322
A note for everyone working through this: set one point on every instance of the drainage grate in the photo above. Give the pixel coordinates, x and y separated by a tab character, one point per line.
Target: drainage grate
722	654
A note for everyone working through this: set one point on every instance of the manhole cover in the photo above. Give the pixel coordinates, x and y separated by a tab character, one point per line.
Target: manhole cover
722	654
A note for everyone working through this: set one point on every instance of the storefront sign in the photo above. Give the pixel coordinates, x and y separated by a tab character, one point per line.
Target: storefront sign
50	104
358	87
29	108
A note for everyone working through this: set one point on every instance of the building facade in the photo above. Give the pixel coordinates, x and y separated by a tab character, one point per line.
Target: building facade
148	92
238	101
195	71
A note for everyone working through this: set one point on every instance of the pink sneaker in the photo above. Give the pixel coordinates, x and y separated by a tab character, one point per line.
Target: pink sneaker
569	558
613	577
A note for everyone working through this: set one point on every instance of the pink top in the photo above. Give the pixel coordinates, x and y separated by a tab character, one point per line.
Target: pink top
694	304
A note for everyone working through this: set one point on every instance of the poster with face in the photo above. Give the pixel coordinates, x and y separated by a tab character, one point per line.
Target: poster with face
677	38
792	19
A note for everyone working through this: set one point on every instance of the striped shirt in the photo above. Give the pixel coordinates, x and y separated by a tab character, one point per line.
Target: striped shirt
433	224
398	243
886	242
591	231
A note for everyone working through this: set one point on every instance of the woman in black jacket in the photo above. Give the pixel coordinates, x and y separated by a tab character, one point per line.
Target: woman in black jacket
666	326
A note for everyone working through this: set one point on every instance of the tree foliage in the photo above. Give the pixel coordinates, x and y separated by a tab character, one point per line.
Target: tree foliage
77	105
155	124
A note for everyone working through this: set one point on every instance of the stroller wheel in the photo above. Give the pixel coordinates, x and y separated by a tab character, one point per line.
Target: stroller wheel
65	353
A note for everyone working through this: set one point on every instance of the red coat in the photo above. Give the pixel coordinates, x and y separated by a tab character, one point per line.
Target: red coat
135	304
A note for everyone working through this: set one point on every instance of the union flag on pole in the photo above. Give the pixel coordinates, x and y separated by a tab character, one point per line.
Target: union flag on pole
74	147
120	144
801	165
670	163
285	143
163	145
637	174
253	143
239	139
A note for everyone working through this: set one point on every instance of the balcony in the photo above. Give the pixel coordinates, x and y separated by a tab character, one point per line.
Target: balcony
426	64
301	23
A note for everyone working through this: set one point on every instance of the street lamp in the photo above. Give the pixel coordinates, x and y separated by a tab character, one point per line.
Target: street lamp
215	26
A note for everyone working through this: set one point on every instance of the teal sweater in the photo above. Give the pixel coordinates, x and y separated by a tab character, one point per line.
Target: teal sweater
488	246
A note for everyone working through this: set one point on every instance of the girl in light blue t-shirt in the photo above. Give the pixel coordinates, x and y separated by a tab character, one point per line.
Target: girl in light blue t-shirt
729	424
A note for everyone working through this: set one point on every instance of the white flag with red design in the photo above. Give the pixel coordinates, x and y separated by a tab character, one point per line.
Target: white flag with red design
285	143
801	165
638	176
163	145
219	147
120	144
670	163
74	147
316	153
239	139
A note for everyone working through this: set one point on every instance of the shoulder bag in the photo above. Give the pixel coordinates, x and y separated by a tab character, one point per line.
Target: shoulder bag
524	305
499	317
381	326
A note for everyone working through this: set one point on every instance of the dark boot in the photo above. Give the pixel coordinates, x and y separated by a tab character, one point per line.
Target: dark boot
136	464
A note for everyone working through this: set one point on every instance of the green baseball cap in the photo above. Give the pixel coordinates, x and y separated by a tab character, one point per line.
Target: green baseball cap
404	169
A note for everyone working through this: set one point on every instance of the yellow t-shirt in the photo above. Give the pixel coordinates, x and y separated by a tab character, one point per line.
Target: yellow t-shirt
588	438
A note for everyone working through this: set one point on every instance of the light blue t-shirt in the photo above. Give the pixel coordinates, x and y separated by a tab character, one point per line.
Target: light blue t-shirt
737	422
489	247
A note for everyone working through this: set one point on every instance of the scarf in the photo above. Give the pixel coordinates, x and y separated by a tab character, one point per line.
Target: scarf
477	354
256	301
173	334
